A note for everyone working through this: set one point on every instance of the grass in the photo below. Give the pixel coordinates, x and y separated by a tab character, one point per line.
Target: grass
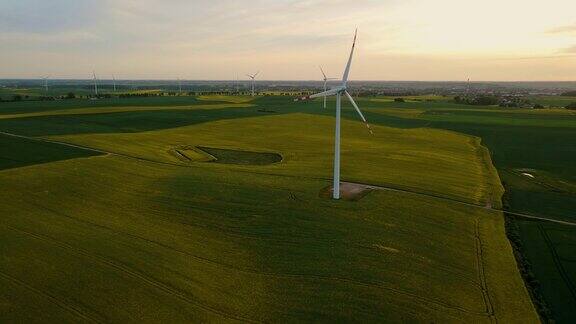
226	98
107	110
156	238
60	90
18	152
553	247
554	101
46	106
518	139
404	152
227	156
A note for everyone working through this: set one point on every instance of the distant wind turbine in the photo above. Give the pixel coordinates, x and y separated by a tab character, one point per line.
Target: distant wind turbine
95	83
326	79
46	83
339	91
179	85
114	82
253	77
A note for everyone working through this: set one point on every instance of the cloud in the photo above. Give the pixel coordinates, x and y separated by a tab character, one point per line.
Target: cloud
569	50
62	38
284	38
563	29
41	16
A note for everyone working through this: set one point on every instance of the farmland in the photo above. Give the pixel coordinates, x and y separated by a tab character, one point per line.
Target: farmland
534	154
102	221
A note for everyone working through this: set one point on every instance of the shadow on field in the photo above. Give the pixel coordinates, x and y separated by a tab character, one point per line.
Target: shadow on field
120	122
151	120
19	152
228	156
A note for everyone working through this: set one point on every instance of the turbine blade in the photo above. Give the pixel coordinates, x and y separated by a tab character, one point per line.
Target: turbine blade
347	70
330	92
359	112
318	95
255	75
324	74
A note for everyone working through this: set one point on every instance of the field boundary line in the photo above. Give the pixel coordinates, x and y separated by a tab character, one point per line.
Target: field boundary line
557	261
438	304
369	186
464	203
53	299
135	274
481	273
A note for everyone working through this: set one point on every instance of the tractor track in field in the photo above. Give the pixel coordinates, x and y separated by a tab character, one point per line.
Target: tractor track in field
482	274
558	261
369	186
132	273
489	309
463	203
298	240
426	302
73	309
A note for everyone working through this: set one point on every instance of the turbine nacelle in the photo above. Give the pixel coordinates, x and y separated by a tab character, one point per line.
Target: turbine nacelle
253	77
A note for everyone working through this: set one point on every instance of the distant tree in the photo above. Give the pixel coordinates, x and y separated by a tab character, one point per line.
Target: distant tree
571	106
569	94
538	106
70	95
486	101
399	100
17	98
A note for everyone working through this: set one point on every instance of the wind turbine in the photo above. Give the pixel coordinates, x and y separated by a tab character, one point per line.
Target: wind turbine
114	82
339	91
179	85
95	84
253	77
326	79
46	83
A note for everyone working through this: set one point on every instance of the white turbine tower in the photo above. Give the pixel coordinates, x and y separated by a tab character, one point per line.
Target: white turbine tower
95	84
338	92
114	82
326	79
253	77
46	83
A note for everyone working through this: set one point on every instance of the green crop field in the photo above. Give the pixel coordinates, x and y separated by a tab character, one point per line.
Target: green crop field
535	142
102	219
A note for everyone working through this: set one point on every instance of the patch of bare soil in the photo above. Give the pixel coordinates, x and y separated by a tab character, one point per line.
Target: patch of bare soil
348	191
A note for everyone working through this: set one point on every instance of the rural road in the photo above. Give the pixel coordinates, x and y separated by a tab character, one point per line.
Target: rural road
367	186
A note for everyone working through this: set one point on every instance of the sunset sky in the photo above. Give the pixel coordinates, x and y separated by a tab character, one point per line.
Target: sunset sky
287	40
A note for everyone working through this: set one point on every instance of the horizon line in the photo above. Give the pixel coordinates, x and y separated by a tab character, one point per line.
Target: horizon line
294	80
